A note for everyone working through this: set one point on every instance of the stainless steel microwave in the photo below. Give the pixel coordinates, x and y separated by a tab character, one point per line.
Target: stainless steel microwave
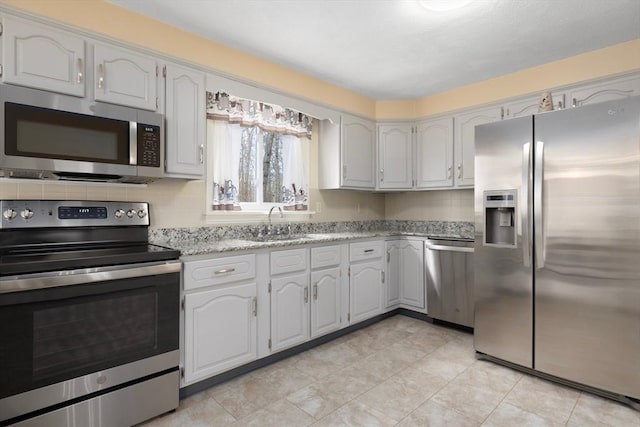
51	136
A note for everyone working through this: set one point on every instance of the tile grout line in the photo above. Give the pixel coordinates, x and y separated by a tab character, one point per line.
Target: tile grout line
574	408
505	396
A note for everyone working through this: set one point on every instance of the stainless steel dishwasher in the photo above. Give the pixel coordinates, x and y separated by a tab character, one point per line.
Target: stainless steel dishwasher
449	277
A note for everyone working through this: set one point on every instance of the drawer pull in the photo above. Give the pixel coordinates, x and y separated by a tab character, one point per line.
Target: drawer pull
224	271
366	251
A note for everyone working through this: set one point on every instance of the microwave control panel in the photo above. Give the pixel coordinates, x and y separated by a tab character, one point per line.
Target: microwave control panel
148	145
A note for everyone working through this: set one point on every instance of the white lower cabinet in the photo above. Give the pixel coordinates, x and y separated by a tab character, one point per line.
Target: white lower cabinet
220	330
326	288
392	274
405	273
289	311
366	280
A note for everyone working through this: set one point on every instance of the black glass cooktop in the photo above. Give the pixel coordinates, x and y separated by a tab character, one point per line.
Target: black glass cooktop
70	257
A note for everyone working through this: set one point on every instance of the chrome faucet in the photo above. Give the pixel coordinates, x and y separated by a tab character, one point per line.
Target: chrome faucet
271	210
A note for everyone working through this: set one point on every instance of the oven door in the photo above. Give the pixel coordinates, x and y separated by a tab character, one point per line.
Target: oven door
79	333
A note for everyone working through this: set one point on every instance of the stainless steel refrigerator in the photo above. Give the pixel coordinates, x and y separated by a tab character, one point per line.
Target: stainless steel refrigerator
557	244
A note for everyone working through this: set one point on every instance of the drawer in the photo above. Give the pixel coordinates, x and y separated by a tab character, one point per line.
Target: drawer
288	261
217	271
365	250
326	256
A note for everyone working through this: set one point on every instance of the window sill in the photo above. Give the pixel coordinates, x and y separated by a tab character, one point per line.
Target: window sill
243	217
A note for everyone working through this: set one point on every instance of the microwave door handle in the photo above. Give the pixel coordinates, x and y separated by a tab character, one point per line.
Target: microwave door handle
133	143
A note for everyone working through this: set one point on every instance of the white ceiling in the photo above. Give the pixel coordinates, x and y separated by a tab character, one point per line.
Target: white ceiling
396	49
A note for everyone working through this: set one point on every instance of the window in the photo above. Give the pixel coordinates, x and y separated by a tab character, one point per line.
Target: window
258	155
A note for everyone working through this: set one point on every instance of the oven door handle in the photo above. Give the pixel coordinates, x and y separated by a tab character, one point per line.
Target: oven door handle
84	276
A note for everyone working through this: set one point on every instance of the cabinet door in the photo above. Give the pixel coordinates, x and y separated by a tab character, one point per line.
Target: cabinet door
220	330
358	152
366	290
434	149
464	147
605	91
392	273
185	122
412	273
289	311
325	303
125	78
42	58
395	145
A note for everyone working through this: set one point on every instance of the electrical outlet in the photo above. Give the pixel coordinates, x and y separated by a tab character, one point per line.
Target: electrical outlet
318	207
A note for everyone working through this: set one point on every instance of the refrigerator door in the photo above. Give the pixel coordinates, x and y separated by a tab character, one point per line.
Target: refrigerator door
503	284
587	225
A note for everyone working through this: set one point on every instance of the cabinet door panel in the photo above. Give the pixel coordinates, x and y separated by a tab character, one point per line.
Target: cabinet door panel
366	290
325	308
395	143
42	58
125	78
220	330
393	273
465	142
289	311
185	122
605	91
358	152
434	147
412	274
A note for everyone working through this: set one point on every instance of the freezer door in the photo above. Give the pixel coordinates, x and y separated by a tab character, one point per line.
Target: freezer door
587	224
502	265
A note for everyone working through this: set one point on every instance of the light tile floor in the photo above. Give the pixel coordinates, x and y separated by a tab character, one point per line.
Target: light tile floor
398	372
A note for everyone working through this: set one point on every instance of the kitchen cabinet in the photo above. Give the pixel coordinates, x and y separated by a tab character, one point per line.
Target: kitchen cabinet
220	306
395	156
366	280
220	330
464	136
346	154
405	273
185	114
327	289
608	90
434	153
529	105
124	77
289	294
42	57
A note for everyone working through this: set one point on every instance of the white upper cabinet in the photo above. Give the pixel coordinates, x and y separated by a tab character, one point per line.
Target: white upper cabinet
434	153
125	78
395	154
529	106
42	58
185	114
604	91
346	154
464	146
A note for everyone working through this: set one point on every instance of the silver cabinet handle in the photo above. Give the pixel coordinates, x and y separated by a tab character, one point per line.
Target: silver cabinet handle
368	251
381	175
449	172
201	153
315	291
254	304
459	171
344	172
537	204
382	276
224	271
388	256
100	76
306	295
525	197
80	76
447	248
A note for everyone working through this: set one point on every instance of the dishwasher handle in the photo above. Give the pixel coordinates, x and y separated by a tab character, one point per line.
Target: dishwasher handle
447	248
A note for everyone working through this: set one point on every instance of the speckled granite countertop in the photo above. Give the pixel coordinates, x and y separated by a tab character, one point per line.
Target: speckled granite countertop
208	240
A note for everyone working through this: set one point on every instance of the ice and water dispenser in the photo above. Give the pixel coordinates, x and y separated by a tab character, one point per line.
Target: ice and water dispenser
500	218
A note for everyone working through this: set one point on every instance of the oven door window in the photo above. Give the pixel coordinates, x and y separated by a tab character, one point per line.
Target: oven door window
44	133
57	334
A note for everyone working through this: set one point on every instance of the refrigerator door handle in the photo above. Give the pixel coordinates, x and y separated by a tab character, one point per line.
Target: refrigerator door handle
537	205
525	210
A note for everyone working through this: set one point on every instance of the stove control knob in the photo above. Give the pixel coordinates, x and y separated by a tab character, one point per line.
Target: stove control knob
131	213
26	214
9	214
142	213
119	213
